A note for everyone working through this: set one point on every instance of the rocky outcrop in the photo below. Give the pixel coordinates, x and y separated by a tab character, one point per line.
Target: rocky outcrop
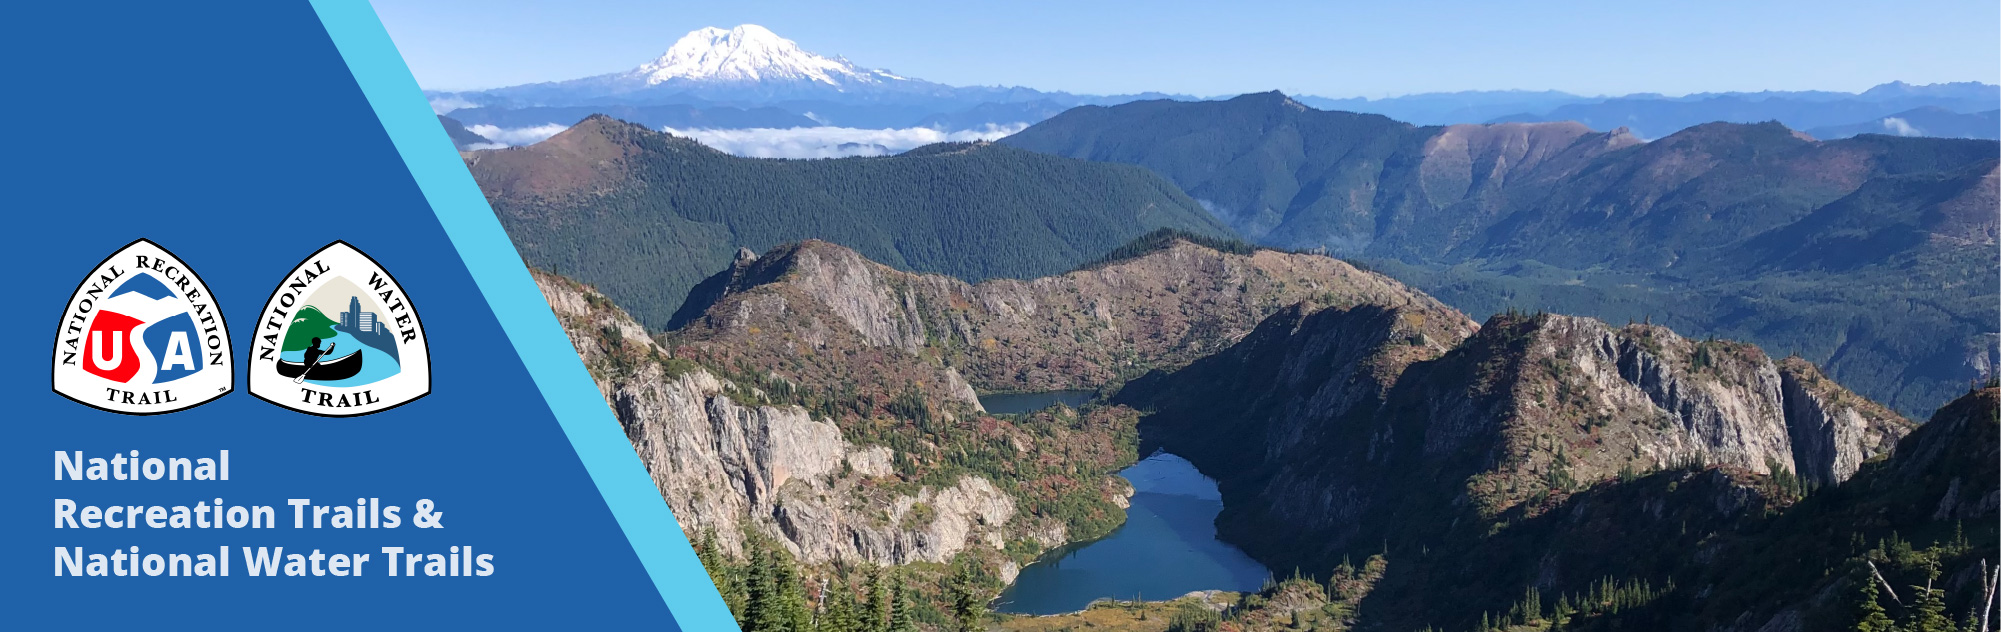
731	469
1833	431
1335	432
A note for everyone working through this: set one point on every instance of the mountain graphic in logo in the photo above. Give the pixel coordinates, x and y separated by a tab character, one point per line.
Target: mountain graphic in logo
142	336
339	338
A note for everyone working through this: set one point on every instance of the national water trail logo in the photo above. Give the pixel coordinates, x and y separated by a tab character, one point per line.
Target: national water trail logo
339	338
142	336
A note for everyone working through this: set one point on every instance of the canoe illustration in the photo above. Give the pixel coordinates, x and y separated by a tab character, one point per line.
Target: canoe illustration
327	370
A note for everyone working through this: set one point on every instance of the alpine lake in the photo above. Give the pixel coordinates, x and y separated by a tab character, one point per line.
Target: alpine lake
1166	548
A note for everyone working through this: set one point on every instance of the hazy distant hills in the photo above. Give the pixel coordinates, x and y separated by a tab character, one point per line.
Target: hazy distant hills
1445	108
1924	121
644	216
1872	256
750	77
1654	115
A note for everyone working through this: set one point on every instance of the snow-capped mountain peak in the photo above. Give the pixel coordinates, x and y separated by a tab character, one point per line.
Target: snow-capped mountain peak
749	53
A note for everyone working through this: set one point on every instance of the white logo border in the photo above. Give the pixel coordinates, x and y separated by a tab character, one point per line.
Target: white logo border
253	367
229	346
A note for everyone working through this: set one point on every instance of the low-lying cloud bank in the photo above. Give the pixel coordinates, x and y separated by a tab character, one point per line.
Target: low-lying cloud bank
835	142
515	136
798	142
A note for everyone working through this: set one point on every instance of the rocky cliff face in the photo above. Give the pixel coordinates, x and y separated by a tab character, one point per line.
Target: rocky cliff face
1937	494
1341	431
730	468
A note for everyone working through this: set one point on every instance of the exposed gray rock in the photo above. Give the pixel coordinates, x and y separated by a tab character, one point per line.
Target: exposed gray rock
729	469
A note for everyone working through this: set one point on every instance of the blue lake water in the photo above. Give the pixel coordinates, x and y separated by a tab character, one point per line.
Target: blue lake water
376	364
1166	549
1023	403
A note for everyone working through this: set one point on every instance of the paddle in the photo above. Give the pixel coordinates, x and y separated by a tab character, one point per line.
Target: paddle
309	366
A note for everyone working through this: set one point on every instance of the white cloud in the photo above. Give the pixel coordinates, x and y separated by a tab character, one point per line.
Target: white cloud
834	142
798	142
514	136
1901	127
445	104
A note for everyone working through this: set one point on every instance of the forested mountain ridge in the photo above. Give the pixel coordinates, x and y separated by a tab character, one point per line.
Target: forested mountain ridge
1543	453
1868	255
644	215
1361	184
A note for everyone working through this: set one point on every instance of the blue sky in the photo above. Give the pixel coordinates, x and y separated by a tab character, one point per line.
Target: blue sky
1334	49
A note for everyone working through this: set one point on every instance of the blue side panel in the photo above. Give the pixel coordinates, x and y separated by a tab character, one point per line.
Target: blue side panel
235	136
496	266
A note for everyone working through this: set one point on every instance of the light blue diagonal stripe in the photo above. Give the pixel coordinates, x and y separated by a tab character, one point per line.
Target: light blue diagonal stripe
648	524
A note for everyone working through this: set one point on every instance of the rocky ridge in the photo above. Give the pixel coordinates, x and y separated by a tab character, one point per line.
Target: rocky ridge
1338	432
729	468
1083	329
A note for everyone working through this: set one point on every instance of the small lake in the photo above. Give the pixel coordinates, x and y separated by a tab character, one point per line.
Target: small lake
1166	549
1024	403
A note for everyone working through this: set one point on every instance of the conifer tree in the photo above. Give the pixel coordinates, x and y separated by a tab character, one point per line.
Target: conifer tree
1929	614
720	572
969	607
1869	615
900	615
879	605
793	614
762	610
841	614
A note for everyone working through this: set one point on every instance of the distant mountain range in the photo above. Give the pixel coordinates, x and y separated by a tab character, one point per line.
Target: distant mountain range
1654	116
718	71
1855	253
750	77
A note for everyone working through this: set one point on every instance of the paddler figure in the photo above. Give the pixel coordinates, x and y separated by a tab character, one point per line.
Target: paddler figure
313	354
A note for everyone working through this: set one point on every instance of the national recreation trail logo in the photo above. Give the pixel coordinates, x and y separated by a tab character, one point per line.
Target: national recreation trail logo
339	338
142	336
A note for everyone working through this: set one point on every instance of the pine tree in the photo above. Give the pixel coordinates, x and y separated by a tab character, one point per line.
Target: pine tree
841	614
721	573
1532	606
762	609
1929	614
879	604
900	616
969	608
789	594
1869	615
